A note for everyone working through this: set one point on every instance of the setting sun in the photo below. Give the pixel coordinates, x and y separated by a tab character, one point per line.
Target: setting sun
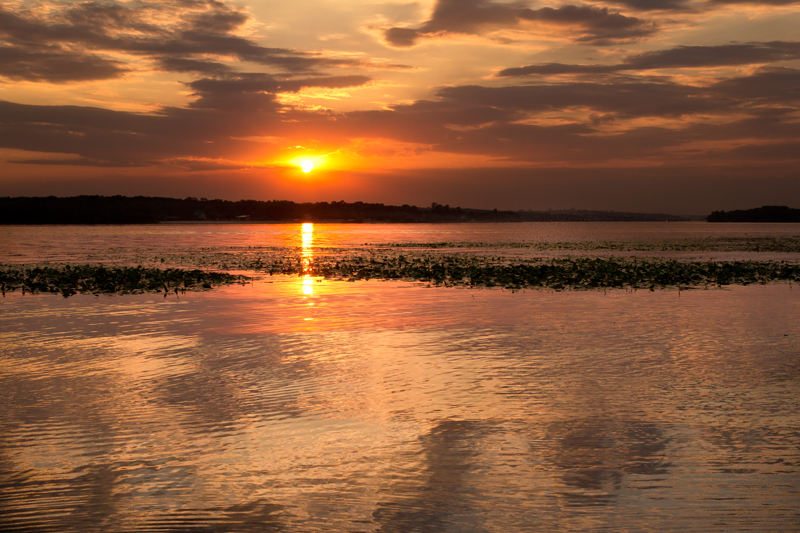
307	165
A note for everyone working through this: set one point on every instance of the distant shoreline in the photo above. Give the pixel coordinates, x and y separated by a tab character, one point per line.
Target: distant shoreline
152	210
206	222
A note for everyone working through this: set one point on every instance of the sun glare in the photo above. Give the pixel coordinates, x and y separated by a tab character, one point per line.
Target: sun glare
307	165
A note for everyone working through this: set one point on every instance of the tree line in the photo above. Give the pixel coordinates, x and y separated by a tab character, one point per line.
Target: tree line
767	213
150	210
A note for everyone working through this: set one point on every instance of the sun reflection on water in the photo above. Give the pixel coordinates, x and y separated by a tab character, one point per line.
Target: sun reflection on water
308	285
307	236
307	255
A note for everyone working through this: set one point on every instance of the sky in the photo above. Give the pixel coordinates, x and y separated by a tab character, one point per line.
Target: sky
675	106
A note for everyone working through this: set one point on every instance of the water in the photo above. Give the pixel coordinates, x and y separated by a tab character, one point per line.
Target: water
299	404
31	244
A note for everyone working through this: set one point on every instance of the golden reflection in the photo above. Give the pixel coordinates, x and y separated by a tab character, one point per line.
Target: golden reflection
307	254
308	285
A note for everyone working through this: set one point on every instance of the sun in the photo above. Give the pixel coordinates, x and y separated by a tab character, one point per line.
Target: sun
307	165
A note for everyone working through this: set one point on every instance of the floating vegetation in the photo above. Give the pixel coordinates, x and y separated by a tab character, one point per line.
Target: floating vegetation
463	264
788	244
93	279
563	273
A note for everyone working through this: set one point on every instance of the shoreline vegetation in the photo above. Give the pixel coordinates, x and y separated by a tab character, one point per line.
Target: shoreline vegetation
158	210
767	213
152	210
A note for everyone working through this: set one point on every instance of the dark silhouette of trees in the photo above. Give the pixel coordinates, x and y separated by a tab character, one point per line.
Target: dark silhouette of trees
149	210
767	213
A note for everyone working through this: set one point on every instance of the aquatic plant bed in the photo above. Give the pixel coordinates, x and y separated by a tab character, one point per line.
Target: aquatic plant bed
786	244
566	273
93	279
452	270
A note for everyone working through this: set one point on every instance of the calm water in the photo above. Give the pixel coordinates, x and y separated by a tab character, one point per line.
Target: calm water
297	404
30	244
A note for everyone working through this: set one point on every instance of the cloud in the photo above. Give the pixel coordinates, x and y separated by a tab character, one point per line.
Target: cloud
569	123
689	5
673	58
591	25
227	112
541	123
598	119
119	138
247	92
82	162
776	86
622	98
66	43
56	67
756	2
402	37
655	5
594	25
184	64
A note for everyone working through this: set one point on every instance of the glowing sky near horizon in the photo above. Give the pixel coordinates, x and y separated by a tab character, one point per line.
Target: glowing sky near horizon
672	105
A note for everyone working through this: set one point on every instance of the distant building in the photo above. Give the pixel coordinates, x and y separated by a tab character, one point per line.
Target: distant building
242	218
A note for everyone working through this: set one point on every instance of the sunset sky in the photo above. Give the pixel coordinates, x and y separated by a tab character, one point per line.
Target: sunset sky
679	106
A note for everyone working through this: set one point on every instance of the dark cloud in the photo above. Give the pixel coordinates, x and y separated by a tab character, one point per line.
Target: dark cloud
327	82
190	35
713	56
91	16
401	37
780	151
260	82
689	6
779	86
622	98
219	21
546	69
247	92
597	25
598	119
470	16
458	16
81	162
654	5
119	138
241	83
423	122
680	57
756	2
592	25
57	66
184	64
